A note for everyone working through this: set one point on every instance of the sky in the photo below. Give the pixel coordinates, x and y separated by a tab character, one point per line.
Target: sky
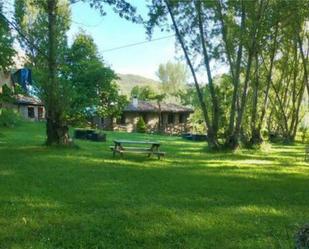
111	31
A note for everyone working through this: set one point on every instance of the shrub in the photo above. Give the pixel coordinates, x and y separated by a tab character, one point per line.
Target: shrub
302	237
9	118
304	131
141	126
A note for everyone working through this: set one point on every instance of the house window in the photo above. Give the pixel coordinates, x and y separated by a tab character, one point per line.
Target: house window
121	120
170	118
30	112
183	118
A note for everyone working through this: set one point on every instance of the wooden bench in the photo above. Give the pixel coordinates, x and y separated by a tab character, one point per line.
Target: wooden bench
151	149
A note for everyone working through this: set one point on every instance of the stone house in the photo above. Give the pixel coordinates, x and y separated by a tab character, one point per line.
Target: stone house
174	118
29	107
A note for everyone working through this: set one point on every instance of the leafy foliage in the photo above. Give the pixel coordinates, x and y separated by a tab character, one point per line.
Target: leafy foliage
7	95
46	24
9	118
173	77
111	102
91	81
258	43
143	92
6	40
140	125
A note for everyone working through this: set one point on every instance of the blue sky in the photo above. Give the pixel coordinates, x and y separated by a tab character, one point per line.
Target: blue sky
111	31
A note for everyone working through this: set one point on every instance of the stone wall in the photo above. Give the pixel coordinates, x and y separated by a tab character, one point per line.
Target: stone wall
129	121
23	111
152	121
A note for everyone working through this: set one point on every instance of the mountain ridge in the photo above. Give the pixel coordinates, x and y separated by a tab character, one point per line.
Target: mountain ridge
127	81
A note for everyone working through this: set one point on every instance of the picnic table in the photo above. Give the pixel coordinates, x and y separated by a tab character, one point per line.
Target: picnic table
144	147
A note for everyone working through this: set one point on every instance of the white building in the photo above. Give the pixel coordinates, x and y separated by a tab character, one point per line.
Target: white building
29	107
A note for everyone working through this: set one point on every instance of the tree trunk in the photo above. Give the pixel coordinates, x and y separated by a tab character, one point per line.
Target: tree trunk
251	51
305	62
268	81
160	117
231	140
212	140
215	109
56	129
294	95
255	133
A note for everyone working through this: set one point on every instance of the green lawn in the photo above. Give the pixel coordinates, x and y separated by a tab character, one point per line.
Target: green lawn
83	198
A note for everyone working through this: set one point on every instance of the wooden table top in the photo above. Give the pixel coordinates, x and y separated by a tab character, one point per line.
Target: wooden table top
136	142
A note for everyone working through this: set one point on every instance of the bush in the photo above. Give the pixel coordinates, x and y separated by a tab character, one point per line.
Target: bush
302	237
9	118
304	131
90	134
141	126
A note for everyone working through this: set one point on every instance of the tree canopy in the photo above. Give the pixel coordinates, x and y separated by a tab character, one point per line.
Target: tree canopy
63	85
6	42
253	39
263	44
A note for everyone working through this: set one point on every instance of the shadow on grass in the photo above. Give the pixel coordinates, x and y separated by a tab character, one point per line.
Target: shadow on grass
131	208
191	199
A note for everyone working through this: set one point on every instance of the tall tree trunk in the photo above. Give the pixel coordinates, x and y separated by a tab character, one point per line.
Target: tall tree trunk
57	131
297	119
305	62
160	117
243	101
268	80
215	104
255	134
212	140
234	69
281	108
294	95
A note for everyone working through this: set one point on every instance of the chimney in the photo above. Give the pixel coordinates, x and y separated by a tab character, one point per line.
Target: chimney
135	101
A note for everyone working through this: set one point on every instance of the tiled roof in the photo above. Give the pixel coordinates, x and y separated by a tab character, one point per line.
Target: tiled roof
146	106
27	100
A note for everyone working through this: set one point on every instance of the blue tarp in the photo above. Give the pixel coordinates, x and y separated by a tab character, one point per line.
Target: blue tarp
22	77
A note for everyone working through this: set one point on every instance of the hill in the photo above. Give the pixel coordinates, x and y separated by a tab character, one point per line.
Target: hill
128	81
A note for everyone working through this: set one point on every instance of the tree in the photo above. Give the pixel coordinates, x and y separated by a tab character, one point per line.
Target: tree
245	36
173	77
48	20
140	125
45	24
143	92
88	77
159	98
190	32
6	41
212	136
6	96
111	102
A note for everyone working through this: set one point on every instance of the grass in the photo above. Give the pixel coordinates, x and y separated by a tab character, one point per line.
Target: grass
83	198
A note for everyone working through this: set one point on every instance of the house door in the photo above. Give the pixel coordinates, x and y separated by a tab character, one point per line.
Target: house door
40	113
